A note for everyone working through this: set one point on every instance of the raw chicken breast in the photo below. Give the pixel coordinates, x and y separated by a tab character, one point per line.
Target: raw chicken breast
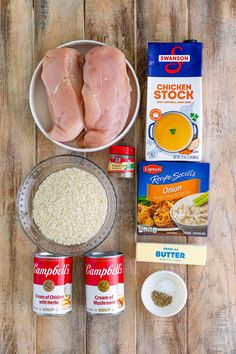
106	94
63	78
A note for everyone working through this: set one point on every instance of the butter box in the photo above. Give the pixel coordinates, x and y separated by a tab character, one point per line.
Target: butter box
171	253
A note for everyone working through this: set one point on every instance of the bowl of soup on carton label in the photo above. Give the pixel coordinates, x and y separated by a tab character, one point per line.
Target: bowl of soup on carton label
173	132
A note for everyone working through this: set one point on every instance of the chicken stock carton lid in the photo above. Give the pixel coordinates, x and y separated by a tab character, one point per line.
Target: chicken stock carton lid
165	59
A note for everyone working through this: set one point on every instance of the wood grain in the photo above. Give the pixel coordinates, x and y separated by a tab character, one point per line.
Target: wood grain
112	22
212	289
158	21
18	330
57	22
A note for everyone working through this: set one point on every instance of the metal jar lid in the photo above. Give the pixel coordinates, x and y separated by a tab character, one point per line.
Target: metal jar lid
108	254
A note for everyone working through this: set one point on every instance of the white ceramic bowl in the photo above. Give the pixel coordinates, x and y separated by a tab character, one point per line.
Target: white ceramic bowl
177	290
39	106
188	229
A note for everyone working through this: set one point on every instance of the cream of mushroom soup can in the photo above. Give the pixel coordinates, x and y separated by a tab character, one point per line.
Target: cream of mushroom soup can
52	289
104	279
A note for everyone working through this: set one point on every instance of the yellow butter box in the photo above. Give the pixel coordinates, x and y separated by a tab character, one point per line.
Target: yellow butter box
171	253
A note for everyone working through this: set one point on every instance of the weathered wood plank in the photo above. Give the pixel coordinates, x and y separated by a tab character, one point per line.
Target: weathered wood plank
57	22
17	146
212	289
158	21
112	22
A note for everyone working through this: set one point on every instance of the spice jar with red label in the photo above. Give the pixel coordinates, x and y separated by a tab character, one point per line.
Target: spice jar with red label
121	162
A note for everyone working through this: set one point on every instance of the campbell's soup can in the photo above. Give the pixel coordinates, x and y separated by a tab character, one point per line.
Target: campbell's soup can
104	279
52	289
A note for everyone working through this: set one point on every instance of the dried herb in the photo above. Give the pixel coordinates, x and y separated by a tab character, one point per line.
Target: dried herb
172	131
161	299
194	116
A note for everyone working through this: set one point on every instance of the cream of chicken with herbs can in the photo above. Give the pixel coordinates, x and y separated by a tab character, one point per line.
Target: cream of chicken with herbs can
52	289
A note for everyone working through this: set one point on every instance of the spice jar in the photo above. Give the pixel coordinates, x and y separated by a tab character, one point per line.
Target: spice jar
121	162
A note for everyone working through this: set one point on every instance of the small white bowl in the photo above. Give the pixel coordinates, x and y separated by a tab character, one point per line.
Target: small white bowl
39	106
177	290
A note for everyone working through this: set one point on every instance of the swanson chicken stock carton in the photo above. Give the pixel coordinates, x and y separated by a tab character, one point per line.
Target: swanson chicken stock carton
174	101
172	198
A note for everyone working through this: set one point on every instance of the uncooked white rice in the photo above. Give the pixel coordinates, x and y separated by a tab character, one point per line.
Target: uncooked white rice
70	206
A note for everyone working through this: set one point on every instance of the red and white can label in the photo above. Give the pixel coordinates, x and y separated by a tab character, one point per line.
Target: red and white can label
52	290
104	278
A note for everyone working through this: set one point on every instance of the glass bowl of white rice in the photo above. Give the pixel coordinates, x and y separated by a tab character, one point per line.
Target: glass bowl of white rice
67	205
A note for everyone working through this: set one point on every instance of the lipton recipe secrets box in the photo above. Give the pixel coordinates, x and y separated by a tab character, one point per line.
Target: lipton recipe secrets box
172	198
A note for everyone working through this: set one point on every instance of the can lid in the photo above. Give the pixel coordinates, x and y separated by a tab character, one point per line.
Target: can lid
122	150
190	41
108	254
49	255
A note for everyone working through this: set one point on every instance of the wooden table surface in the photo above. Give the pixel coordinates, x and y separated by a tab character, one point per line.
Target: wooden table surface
208	322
